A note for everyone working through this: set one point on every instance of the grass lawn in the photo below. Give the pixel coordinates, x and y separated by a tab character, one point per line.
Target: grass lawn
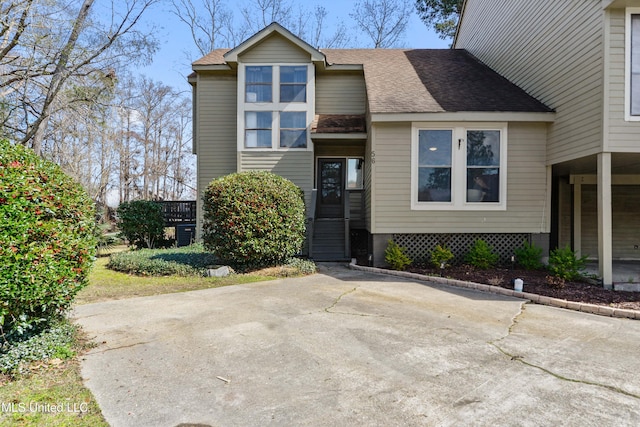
52	393
105	284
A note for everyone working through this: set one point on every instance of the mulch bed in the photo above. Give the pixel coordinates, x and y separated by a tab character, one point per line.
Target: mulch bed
536	282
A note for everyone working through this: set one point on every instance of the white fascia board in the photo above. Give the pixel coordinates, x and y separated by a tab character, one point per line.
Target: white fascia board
213	67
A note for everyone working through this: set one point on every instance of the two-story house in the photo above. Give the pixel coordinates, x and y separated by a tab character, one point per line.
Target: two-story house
582	58
415	145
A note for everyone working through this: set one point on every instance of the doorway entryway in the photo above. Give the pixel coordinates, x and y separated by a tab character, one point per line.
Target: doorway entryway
331	189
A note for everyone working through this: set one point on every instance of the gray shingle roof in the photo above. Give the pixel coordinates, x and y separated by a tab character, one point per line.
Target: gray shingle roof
426	81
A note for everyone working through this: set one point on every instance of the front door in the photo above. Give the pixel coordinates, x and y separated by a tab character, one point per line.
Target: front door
330	188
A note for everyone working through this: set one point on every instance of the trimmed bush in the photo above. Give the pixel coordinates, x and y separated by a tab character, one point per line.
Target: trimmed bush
481	255
186	261
253	219
396	256
528	256
564	263
141	222
47	240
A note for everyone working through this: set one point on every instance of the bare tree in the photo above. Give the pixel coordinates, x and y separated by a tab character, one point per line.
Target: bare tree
210	22
13	21
52	46
317	38
260	13
383	21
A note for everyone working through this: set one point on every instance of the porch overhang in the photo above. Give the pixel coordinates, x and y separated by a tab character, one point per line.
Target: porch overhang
339	127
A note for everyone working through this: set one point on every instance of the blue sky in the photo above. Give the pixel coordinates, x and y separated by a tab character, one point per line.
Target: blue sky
171	64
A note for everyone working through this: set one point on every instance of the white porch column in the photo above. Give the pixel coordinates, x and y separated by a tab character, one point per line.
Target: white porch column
577	217
605	249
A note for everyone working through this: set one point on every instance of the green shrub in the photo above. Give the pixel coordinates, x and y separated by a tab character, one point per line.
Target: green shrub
186	261
481	255
440	256
564	263
253	219
47	240
55	342
396	256
528	256
302	266
141	222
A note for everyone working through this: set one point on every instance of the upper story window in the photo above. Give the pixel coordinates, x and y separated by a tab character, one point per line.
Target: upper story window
259	84
293	83
632	59
278	106
455	167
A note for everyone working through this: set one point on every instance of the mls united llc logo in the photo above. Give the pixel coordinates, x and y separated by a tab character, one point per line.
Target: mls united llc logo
22	407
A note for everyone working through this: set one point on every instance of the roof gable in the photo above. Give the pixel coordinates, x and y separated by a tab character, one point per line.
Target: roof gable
267	32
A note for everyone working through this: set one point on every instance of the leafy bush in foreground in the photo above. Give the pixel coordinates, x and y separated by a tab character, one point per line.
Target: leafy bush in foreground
47	240
253	219
186	261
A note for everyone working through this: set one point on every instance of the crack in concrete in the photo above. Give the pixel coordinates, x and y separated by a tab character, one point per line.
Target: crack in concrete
120	347
330	308
339	298
521	359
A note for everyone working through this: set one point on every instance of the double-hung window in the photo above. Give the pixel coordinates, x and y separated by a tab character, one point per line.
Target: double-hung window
458	167
259	84
258	126
293	83
632	59
277	106
293	129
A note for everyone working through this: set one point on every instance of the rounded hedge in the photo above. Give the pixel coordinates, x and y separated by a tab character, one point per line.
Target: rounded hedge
47	239
253	219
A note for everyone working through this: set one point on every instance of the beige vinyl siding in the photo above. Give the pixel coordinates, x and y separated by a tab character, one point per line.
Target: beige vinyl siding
296	166
340	93
216	131
626	222
623	136
553	50
526	187
275	49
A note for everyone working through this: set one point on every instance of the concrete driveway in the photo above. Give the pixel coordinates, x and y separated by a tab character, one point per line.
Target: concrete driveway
345	348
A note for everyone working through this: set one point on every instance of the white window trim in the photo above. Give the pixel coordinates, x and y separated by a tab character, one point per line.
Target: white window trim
459	167
627	64
275	107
